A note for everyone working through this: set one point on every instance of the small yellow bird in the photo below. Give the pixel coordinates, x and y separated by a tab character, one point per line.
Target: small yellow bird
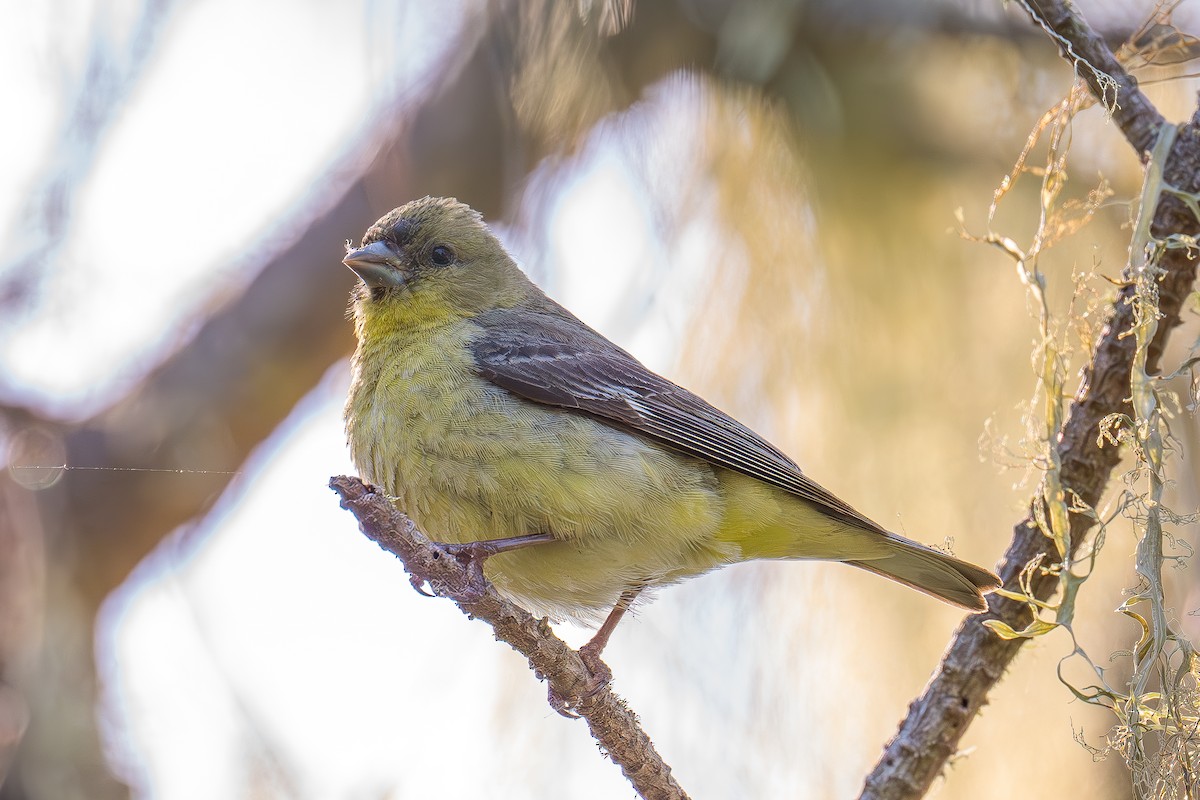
490	412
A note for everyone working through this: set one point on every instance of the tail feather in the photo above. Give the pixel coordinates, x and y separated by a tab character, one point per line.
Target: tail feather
926	570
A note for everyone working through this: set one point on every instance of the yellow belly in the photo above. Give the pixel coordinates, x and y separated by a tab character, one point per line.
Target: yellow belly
469	461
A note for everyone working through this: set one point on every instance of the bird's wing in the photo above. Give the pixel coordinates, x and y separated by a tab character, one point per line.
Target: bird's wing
552	358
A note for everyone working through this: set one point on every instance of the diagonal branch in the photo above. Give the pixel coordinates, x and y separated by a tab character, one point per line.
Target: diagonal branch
614	726
1096	64
976	658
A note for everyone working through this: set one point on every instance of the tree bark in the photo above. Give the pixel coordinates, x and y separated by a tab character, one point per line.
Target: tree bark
977	658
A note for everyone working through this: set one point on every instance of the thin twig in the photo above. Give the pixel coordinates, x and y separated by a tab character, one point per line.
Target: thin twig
611	722
976	658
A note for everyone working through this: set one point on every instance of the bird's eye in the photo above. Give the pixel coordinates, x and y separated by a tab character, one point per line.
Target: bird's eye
441	256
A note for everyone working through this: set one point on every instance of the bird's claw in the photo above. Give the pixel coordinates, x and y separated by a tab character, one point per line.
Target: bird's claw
599	677
418	583
471	556
560	704
601	674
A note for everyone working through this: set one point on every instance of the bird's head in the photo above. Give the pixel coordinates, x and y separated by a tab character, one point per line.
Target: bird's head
432	257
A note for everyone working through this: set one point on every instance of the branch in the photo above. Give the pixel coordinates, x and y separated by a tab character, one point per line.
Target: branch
611	722
211	402
1093	61
976	658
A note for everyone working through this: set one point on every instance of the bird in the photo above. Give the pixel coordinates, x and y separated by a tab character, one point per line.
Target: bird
497	420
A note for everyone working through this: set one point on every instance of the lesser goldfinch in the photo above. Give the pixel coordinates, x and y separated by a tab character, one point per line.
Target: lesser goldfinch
490	412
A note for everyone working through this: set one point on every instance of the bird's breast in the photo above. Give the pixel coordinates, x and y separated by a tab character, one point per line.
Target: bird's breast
468	460
409	396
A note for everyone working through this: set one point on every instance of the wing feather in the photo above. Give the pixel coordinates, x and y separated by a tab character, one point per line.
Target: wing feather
550	357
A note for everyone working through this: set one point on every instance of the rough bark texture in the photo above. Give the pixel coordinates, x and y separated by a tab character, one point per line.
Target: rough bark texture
976	658
613	725
1087	53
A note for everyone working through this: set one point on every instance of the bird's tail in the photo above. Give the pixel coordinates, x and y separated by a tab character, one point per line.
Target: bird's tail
934	573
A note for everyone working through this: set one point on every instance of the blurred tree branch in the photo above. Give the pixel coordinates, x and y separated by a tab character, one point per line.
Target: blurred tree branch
977	658
614	726
110	73
22	573
251	361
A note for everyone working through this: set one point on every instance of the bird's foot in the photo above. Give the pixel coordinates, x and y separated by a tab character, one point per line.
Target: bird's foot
601	674
471	556
418	583
560	704
599	677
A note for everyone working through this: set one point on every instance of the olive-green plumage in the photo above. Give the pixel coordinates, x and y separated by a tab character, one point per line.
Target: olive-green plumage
489	411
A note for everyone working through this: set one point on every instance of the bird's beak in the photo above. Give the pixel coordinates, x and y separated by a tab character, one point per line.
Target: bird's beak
376	265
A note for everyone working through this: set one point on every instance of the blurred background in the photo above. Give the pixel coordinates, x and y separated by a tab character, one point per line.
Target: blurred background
756	198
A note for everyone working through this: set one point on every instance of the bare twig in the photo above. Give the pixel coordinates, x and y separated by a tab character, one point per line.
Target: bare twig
611	722
977	658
